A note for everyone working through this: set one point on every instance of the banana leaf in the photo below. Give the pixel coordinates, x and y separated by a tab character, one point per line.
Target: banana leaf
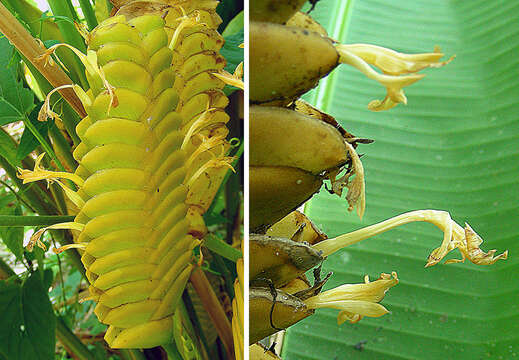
454	147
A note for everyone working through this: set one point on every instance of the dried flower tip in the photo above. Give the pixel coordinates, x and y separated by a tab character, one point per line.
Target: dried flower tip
356	195
45	110
468	242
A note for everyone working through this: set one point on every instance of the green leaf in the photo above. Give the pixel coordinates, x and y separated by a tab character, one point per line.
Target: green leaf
235	25
8	148
28	142
12	237
28	322
228	9
453	147
233	55
231	50
15	100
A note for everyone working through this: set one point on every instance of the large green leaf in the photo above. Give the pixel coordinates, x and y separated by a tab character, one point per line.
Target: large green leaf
28	322
453	147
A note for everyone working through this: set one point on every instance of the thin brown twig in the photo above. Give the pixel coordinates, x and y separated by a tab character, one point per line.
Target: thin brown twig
31	49
214	309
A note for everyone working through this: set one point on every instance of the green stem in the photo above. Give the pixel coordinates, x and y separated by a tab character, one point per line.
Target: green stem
20	198
61	145
74	346
228	277
88	11
25	220
220	247
131	354
67	29
73	254
70	119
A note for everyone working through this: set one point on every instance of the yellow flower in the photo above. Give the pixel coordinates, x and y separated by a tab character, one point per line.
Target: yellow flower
356	300
39	173
454	237
395	66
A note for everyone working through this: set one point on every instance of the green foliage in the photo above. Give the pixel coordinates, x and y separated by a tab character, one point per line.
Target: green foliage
15	100
231	50
28	322
12	236
453	147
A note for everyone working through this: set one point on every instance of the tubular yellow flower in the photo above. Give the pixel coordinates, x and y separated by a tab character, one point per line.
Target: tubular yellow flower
35	238
392	64
356	300
39	173
454	237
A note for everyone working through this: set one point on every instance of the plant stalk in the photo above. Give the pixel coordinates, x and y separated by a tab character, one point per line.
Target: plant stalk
131	354
70	342
220	247
88	11
26	220
28	46
215	310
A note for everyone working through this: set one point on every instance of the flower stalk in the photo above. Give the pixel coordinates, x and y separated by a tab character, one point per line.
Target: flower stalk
455	237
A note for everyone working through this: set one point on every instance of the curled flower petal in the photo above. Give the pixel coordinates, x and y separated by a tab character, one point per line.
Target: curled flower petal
395	63
395	66
467	241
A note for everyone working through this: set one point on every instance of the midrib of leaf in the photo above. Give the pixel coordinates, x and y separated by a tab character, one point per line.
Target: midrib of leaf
340	24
